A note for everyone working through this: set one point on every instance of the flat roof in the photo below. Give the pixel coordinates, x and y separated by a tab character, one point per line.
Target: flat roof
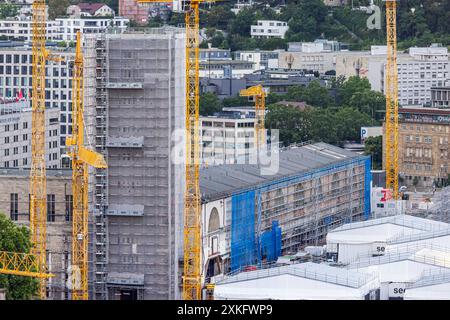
298	281
393	229
218	182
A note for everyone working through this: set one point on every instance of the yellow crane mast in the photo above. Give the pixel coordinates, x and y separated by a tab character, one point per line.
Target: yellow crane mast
38	190
81	158
391	137
192	207
259	95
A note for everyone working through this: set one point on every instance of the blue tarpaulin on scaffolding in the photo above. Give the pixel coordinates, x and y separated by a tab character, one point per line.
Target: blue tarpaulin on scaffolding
243	242
270	242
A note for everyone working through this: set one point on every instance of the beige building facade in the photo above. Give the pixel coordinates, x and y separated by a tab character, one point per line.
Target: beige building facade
423	146
14	203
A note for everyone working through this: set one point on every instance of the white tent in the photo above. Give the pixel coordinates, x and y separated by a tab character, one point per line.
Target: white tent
304	281
432	292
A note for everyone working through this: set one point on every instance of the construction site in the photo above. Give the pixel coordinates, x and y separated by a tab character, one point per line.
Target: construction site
126	221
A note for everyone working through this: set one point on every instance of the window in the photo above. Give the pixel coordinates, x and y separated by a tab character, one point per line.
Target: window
14	206
214	221
69	207
51	214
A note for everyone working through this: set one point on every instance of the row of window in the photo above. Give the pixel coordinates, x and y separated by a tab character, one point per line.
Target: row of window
51	207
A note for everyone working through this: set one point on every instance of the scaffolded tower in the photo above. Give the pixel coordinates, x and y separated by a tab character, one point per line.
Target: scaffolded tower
192	207
391	137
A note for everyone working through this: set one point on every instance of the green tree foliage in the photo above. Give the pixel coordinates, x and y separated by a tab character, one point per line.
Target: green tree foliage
294	125
373	146
57	8
16	239
8	10
314	95
209	104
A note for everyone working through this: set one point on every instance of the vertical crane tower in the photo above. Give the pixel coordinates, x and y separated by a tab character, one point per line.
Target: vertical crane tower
81	158
192	206
257	92
38	190
391	137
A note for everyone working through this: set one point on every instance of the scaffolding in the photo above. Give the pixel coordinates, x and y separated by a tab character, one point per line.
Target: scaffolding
305	207
99	221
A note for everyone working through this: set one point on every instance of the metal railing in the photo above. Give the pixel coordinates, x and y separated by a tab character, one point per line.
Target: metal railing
349	280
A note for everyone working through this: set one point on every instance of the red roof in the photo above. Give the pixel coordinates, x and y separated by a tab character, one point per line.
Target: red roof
91	8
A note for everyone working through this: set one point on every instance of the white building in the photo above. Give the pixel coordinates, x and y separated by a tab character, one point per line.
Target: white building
226	139
15	135
303	281
15	77
262	59
430	287
354	241
315	61
61	29
319	45
418	72
269	29
21	29
84	9
225	69
402	268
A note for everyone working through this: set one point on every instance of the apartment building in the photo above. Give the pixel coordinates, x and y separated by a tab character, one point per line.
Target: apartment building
228	137
15	135
418	71
423	146
85	9
135	11
269	29
21	30
62	29
16	77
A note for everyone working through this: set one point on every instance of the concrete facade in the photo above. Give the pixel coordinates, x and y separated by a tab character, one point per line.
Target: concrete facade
316	61
269	29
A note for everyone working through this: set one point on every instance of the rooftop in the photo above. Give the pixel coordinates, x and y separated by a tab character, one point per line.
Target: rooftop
220	182
298	281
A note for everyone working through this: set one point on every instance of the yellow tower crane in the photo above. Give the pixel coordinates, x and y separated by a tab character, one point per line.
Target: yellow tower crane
21	264
81	158
391	137
38	188
258	93
192	208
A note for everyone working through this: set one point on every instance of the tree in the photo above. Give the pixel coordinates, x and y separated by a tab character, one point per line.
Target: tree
57	8
236	102
16	239
352	86
8	10
209	104
373	146
292	123
349	122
